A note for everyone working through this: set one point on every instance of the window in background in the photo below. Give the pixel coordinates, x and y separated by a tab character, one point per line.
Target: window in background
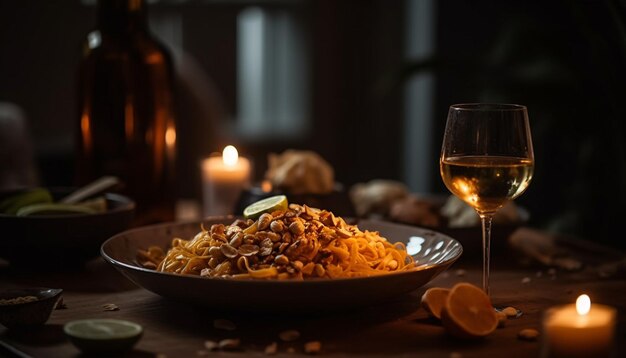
419	101
272	75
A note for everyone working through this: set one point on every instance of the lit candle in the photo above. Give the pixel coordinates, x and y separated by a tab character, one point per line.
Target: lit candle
223	180
580	330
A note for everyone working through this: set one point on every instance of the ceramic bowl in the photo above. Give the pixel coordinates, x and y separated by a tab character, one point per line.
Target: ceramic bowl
61	240
30	313
433	252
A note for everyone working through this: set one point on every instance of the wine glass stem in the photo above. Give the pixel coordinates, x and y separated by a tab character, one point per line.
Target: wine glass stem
485	220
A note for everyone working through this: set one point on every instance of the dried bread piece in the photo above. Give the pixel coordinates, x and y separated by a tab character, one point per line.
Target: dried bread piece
300	172
460	214
376	196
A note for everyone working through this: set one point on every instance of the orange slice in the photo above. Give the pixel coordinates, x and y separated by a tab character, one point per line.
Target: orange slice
434	299
467	312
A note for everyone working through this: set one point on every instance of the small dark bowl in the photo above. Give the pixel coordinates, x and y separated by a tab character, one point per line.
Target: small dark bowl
28	314
62	240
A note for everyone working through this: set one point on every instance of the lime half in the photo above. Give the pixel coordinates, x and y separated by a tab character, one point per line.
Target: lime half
267	205
103	335
15	202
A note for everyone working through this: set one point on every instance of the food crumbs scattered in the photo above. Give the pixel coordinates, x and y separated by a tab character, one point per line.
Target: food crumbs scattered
271	348
526	280
510	311
224	324
227	344
312	347
210	345
289	335
528	334
110	307
502	318
460	272
60	305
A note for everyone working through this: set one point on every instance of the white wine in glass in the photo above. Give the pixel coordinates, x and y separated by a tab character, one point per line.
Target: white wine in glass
486	160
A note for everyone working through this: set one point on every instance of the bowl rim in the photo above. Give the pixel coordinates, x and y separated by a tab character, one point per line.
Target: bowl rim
126	204
457	246
55	293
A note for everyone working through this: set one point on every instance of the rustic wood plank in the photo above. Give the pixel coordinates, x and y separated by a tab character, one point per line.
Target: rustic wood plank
399	327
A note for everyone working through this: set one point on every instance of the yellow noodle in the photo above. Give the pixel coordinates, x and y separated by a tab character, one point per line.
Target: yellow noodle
340	249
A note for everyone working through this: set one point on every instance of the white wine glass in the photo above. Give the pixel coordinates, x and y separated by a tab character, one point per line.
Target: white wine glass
487	160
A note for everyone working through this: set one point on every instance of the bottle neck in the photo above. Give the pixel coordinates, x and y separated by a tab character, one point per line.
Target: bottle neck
122	16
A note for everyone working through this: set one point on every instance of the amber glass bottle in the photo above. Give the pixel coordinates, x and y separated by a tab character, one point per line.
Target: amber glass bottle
126	118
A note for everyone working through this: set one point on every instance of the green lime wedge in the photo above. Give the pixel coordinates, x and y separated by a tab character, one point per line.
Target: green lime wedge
14	203
54	209
103	335
267	205
98	204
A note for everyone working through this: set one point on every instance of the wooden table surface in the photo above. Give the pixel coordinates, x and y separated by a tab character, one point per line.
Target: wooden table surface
399	328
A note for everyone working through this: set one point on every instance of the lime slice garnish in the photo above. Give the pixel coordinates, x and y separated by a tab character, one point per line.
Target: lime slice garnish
54	209
98	204
267	205
12	204
103	335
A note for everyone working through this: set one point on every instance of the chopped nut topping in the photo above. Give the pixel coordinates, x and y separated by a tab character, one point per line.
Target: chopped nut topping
510	311
528	334
277	226
312	347
289	335
17	300
229	251
110	307
271	349
248	250
210	345
149	265
264	221
227	344
281	260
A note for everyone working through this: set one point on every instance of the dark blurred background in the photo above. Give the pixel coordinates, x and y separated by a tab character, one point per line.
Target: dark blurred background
366	84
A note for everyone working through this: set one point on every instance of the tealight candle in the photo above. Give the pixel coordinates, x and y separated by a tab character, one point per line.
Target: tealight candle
223	180
580	330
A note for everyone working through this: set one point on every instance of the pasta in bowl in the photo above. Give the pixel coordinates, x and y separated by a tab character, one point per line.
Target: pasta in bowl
314	262
297	243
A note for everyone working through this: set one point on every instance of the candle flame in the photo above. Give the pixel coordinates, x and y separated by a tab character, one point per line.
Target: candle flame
583	305
230	156
170	137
